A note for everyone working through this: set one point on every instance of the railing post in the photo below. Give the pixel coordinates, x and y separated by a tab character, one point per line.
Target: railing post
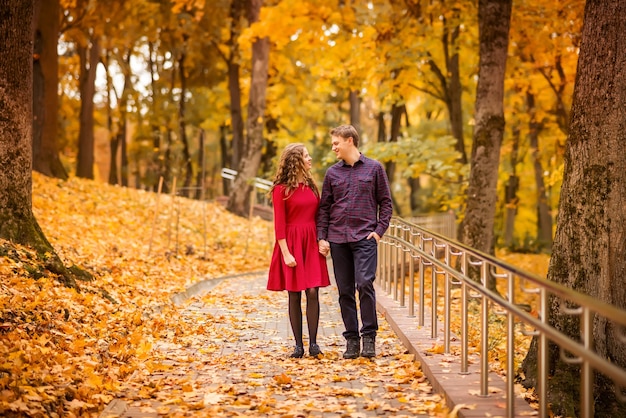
402	276
484	338
422	293
394	258
462	263
586	374
386	267
411	286
433	302
510	347
542	357
464	315
446	304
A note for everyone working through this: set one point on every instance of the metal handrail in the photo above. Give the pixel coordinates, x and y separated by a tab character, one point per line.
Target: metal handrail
457	262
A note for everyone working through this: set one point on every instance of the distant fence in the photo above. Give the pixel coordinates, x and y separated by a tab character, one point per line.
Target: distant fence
440	223
261	186
413	264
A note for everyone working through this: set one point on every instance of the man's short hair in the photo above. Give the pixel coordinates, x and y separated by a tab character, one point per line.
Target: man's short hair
346	131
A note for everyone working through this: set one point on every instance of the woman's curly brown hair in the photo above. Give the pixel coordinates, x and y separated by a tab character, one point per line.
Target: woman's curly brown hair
291	167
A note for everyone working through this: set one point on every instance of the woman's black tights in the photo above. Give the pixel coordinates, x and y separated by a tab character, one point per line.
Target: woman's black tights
312	314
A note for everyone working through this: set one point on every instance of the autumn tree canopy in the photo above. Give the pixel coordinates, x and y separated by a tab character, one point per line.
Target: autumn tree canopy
404	72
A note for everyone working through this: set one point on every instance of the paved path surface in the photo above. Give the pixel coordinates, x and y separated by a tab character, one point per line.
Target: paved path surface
272	339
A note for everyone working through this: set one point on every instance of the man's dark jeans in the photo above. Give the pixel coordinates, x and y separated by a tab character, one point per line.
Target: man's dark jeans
354	264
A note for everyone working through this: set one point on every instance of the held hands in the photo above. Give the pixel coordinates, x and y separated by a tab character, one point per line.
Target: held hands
324	247
289	260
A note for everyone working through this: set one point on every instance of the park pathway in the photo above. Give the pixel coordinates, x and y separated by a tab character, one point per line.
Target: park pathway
246	370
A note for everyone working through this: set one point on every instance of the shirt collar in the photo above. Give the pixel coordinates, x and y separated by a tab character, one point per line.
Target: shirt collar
361	160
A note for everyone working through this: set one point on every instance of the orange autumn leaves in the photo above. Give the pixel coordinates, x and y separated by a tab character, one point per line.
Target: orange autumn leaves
64	353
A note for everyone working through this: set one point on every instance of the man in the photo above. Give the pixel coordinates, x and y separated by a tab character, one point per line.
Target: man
354	212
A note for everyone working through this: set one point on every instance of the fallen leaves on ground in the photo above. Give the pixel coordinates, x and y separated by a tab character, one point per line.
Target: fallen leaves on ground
232	364
67	353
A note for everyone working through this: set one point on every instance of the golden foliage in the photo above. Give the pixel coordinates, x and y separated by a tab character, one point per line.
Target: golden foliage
65	353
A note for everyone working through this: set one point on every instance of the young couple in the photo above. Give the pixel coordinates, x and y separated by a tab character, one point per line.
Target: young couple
347	221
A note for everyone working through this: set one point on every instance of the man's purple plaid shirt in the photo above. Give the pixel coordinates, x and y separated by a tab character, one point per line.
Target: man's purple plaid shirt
355	201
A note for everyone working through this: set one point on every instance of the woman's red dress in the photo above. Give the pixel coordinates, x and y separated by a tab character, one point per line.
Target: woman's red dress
294	221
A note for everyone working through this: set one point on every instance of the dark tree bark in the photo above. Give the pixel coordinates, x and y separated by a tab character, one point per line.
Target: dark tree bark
355	110
239	198
390	167
589	250
17	222
156	163
510	198
544	217
234	87
270	150
382	129
122	128
414	201
45	95
494	18
169	142
123	141
224	153
113	137
89	57
182	127
454	91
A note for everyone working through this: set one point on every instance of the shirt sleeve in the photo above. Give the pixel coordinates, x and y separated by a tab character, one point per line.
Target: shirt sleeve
383	198
280	216
323	210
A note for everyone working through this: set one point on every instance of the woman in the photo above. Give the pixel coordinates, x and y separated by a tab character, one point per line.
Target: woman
296	264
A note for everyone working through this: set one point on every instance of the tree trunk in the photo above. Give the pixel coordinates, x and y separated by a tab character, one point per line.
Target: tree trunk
494	18
46	98
122	131
510	198
17	222
156	164
454	96
414	201
169	141
382	129
225	157
113	137
234	89
589	251
186	190
355	110
390	167
123	140
239	198
89	57
544	218
236	118
269	149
